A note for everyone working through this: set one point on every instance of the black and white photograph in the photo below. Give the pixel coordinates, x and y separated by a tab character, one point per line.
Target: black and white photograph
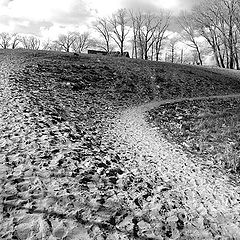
119	119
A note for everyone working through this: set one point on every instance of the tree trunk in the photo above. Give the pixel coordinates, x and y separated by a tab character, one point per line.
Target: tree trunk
121	48
181	60
199	58
172	54
236	58
107	45
231	52
156	50
132	49
199	55
152	52
237	62
136	53
145	52
216	56
135	45
220	57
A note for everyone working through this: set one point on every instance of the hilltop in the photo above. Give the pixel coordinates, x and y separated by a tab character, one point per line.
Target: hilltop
125	78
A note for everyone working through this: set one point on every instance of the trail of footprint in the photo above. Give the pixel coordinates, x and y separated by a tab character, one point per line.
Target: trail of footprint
211	202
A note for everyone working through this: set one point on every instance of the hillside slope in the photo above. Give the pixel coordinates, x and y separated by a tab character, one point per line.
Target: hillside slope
62	176
127	78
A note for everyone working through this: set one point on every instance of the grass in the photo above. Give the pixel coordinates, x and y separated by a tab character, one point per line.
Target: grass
207	128
129	79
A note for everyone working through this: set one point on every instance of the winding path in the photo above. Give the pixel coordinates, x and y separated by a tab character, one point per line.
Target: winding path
210	201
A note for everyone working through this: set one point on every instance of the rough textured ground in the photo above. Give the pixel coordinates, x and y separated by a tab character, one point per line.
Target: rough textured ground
78	163
182	186
208	128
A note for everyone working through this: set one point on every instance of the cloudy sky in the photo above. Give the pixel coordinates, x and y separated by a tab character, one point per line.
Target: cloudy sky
48	18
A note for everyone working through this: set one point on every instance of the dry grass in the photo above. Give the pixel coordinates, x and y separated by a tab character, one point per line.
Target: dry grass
129	79
227	72
207	128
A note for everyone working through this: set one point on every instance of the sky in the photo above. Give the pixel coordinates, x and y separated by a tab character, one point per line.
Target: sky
49	18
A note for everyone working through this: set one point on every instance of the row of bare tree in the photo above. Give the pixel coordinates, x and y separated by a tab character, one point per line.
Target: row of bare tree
212	27
72	41
147	31
218	22
15	40
9	40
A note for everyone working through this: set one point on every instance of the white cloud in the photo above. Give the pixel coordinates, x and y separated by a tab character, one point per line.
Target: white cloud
51	17
54	31
167	4
38	10
39	16
104	7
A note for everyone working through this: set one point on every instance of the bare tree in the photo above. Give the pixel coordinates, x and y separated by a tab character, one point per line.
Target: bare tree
160	33
150	23
31	42
227	9
5	39
135	34
100	44
237	34
173	45
190	33
47	45
207	21
65	41
102	26
82	42
34	43
119	28
144	26
54	46
217	20
148	32
237	15
50	45
140	39
15	40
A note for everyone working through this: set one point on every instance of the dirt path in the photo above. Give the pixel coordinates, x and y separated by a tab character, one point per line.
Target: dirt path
208	203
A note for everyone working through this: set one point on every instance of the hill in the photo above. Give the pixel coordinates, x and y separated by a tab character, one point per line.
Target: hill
128	78
66	171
